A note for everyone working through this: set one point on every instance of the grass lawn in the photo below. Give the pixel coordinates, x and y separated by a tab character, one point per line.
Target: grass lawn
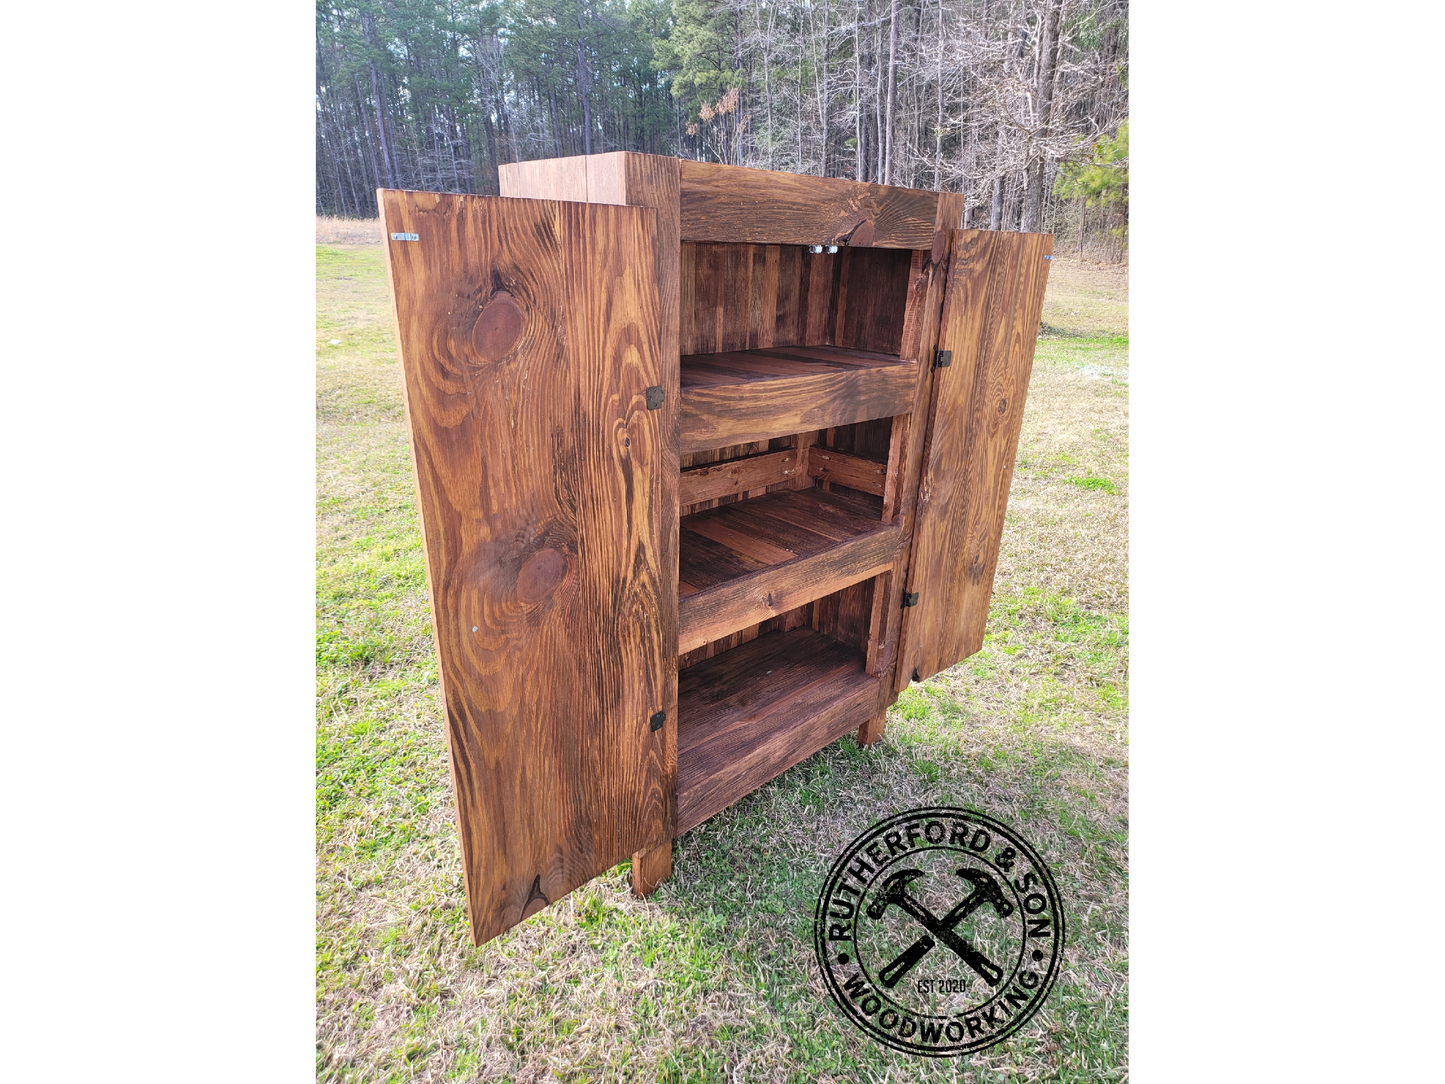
713	978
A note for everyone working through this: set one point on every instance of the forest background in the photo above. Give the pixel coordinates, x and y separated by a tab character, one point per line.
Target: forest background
1022	105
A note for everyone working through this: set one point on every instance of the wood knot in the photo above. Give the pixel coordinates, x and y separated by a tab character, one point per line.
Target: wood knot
539	576
498	327
861	235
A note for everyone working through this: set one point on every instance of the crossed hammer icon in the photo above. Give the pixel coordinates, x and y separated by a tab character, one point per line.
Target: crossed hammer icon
895	892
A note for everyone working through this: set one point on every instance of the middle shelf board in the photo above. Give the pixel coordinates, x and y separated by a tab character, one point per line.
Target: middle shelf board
749	714
752	560
748	395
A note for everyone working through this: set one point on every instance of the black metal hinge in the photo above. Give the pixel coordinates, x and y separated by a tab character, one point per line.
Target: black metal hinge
654	397
910	598
942	359
658	718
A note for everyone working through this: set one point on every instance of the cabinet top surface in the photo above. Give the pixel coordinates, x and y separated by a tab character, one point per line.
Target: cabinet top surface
737	204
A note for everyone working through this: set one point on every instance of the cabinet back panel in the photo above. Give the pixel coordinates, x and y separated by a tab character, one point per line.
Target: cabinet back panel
751	297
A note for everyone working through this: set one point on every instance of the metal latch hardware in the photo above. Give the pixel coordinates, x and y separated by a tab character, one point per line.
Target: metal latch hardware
942	359
654	400
657	720
910	598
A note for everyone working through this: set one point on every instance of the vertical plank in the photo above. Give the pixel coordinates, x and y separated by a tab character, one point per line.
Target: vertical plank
950	211
927	279
819	271
708	284
765	298
735	300
791	299
653	181
872	730
687	298
528	335
651	866
990	320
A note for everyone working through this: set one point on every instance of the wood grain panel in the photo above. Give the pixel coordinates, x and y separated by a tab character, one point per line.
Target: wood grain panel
927	281
872	299
736	476
828	465
528	335
551	178
730	203
950	210
651	866
756	395
990	320
752	713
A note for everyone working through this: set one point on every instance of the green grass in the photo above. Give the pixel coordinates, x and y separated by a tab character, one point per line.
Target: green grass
713	977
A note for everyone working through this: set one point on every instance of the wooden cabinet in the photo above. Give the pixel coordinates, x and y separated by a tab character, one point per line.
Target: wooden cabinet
711	463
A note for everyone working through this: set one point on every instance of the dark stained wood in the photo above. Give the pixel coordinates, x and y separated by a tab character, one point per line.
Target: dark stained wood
757	394
872	298
872	730
746	297
749	715
990	320
730	203
950	211
818	297
736	476
829	465
744	563
529	333
651	866
927	280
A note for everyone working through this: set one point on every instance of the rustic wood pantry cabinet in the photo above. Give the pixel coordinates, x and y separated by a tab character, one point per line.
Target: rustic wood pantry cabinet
711	463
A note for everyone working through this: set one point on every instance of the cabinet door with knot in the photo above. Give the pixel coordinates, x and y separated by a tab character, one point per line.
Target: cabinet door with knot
529	340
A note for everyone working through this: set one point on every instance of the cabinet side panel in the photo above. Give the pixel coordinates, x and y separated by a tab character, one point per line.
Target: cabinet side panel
528	333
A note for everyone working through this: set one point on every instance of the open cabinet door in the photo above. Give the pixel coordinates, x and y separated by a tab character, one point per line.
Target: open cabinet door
990	324
530	349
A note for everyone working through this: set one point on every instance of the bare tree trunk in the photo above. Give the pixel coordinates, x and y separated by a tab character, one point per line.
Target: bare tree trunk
892	81
582	85
1044	96
823	93
995	214
860	150
878	100
938	126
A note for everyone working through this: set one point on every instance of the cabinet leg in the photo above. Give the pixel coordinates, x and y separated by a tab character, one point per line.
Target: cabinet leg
872	730
651	866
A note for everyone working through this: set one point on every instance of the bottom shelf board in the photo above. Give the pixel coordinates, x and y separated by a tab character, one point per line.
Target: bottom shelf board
749	714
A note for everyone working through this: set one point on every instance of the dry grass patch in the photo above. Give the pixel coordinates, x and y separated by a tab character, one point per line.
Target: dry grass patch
331	230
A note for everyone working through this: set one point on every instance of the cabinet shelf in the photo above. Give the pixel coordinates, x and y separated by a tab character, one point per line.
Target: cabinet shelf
749	714
748	395
746	562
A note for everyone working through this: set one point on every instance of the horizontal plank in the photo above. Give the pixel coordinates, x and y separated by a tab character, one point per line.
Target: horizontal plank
736	476
852	471
751	395
749	714
755	206
723	608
